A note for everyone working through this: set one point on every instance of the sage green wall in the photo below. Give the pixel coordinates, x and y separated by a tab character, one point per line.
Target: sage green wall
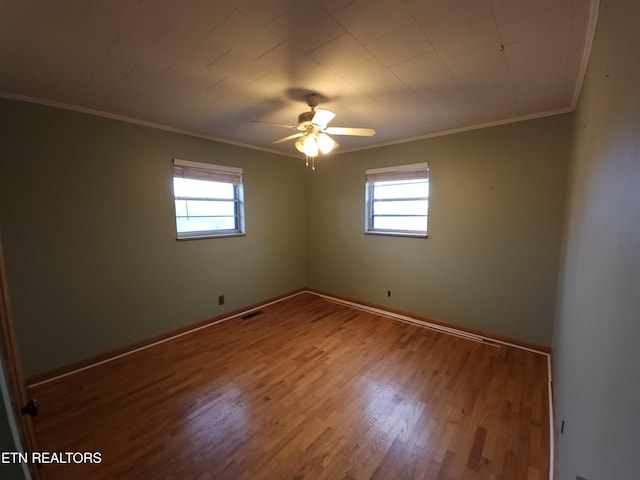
496	209
88	228
93	264
597	331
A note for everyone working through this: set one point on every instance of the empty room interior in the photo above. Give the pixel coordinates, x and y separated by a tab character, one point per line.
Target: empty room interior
300	239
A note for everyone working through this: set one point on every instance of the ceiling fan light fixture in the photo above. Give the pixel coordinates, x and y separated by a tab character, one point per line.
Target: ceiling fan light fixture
313	133
325	143
308	144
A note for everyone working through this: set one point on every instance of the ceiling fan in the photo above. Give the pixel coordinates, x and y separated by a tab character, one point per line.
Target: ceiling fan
313	133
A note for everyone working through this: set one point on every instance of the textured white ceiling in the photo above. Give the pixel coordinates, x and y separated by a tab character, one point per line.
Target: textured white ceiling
408	68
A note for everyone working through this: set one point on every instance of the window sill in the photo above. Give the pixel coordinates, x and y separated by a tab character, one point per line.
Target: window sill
396	234
217	235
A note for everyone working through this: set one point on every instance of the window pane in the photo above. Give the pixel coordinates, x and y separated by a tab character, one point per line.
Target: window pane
401	189
209	205
408	207
203	208
186	187
397	206
204	224
417	224
181	208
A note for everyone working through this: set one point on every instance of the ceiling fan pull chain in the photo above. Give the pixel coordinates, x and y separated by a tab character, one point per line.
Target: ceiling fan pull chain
306	161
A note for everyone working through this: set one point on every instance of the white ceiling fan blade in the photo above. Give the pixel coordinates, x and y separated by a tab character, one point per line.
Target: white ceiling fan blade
290	137
362	132
322	117
293	127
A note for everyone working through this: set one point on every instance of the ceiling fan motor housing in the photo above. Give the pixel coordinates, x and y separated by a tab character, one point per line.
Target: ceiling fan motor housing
304	120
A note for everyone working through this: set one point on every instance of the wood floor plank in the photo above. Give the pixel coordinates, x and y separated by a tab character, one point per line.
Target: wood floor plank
306	389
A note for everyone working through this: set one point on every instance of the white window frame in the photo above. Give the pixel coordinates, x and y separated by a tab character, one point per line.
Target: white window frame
214	173
414	171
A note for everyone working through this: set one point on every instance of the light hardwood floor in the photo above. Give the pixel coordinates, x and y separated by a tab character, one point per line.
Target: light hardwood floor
308	389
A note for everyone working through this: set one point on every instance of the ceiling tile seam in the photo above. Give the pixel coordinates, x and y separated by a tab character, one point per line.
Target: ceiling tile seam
275	19
85	14
424	102
178	87
338	10
259	77
324	44
417	55
113	42
479	114
434	44
129	72
222	22
57	82
586	52
290	9
217	59
567	76
532	14
311	54
346	31
435	49
339	73
167	70
417	93
163	33
389	68
90	79
363	92
535	12
332	15
514	97
283	42
217	82
364	46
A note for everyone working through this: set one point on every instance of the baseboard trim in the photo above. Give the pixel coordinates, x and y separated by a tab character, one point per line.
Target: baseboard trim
424	321
453	329
111	355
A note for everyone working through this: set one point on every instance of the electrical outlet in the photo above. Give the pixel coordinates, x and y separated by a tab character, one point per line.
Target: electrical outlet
220	299
388	293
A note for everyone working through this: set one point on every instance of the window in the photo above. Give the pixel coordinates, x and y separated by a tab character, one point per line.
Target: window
398	200
208	200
